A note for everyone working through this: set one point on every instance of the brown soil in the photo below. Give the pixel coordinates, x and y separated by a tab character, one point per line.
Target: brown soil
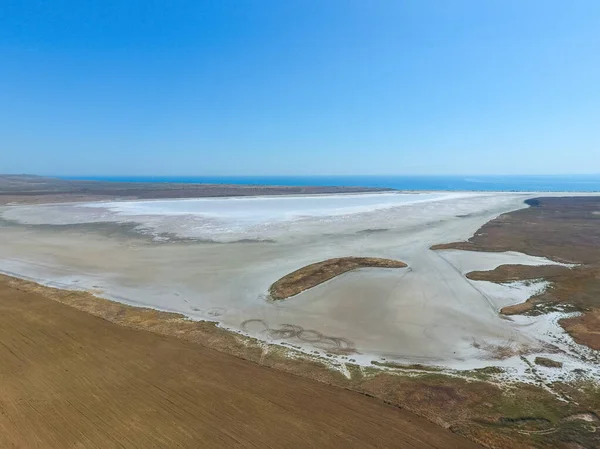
470	408
317	273
70	379
562	229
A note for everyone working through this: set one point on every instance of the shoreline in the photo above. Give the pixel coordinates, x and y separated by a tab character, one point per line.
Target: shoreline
71	379
418	389
242	343
51	198
203	311
237	342
273	326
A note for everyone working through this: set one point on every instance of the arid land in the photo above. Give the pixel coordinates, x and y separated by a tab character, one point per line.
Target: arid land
555	405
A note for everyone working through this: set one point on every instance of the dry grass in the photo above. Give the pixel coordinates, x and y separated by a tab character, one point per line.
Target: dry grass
317	273
520	417
519	309
509	273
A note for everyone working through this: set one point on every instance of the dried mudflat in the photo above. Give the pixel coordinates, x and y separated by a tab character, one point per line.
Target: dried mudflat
216	259
70	379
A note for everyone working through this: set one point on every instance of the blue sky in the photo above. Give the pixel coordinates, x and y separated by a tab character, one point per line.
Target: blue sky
299	87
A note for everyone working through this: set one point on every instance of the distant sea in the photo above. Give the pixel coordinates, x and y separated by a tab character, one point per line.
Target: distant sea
562	183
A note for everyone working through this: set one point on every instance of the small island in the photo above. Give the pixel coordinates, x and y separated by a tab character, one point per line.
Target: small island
317	273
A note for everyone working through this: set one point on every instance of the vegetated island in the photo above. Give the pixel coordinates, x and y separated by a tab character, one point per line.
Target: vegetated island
317	273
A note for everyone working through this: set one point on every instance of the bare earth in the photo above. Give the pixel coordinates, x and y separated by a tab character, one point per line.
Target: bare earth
317	273
70	379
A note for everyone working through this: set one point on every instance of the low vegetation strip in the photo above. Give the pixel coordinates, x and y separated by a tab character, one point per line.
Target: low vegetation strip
511	273
317	273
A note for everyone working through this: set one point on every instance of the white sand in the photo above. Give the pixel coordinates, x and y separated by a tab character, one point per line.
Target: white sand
428	313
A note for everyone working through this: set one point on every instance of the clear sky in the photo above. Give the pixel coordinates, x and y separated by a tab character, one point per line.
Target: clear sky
299	87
